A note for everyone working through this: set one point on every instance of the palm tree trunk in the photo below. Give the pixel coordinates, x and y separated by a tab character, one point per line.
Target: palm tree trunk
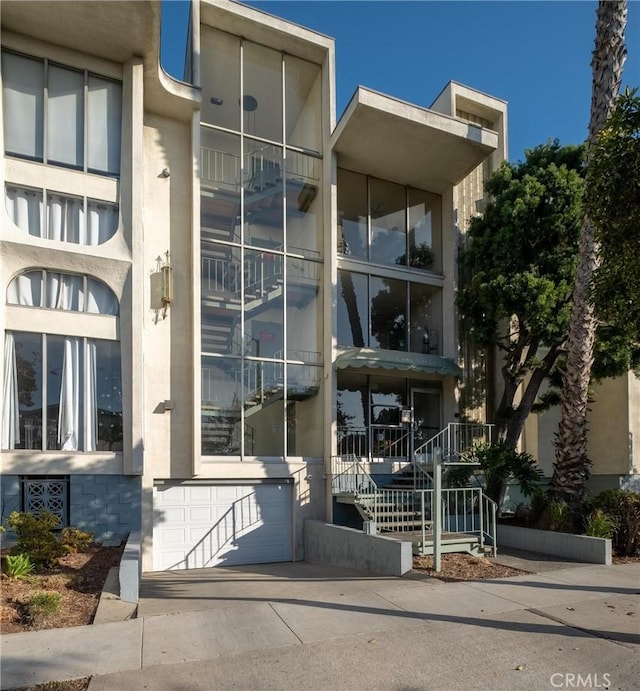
571	467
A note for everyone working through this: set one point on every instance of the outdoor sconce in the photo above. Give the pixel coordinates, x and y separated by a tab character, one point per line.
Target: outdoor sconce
166	285
406	416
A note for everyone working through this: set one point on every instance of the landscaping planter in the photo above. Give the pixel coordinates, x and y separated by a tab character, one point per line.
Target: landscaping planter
593	550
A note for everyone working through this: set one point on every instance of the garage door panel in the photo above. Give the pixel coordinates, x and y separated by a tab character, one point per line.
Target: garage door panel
209	525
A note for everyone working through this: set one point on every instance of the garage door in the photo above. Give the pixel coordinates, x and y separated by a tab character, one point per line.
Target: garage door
202	525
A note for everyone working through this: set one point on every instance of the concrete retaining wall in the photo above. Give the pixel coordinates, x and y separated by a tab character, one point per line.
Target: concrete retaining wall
129	572
336	545
593	550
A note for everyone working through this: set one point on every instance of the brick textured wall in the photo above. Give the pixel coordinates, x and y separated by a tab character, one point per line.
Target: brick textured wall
107	505
10	495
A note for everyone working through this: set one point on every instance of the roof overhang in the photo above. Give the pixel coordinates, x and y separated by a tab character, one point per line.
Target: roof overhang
397	361
394	140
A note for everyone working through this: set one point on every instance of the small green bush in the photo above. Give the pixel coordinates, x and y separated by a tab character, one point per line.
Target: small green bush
599	524
76	540
623	507
41	605
18	566
35	537
558	517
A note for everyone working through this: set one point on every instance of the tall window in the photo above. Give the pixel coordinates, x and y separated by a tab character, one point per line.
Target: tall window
60	115
61	392
387	223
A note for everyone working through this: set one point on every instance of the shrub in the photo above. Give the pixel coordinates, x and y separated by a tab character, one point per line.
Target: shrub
499	465
557	516
42	605
35	537
76	540
18	566
599	524
623	507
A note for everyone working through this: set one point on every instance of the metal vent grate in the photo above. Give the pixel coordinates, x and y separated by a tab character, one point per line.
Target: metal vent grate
47	494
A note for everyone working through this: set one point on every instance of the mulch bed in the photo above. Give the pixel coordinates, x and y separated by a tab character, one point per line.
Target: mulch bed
464	567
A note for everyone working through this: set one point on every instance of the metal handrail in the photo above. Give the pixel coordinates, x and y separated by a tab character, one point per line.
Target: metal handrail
456	439
348	475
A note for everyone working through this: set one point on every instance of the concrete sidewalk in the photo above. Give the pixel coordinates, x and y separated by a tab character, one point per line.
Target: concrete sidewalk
299	625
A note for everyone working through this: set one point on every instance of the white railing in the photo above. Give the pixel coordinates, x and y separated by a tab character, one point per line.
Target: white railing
376	442
348	476
221	275
454	441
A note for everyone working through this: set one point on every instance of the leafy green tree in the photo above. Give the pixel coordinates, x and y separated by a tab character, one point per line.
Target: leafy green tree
614	206
572	466
520	265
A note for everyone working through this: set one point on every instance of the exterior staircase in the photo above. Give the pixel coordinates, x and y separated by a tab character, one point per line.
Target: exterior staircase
404	507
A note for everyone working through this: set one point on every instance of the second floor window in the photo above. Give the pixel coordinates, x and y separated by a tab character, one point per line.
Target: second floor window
61	116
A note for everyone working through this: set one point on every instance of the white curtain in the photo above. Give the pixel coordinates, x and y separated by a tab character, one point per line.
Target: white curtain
90	398
65	218
65	292
24	208
10	403
23	102
102	222
26	289
65	116
69	411
100	298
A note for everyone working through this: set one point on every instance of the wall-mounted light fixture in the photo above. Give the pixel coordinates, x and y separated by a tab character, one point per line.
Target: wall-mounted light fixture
166	285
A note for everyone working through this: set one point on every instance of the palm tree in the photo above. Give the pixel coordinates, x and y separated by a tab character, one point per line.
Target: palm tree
571	467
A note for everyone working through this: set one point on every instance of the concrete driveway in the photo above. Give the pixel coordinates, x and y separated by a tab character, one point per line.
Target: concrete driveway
302	626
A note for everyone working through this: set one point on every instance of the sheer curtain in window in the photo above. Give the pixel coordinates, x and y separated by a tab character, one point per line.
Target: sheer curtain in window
23	105
65	292
69	411
24	208
102	223
26	289
10	403
65	218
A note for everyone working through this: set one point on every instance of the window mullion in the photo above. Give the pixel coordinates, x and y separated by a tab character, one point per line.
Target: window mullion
45	112
45	397
85	124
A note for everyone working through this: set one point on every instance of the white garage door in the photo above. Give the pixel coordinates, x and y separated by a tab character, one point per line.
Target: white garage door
197	526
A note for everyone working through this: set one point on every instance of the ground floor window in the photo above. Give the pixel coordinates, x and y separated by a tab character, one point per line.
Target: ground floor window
61	393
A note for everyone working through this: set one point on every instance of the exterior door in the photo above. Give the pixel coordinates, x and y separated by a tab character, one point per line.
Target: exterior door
427	414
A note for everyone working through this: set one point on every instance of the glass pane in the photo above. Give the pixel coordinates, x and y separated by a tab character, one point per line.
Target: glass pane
100	298
102	223
104	123
26	289
221	277
263	195
352	413
24	207
65	117
220	65
388	313
65	292
63	352
65	218
263	304
262	98
304	411
108	378
28	351
221	406
303	89
264	407
304	205
304	311
426	322
23	105
353	309
352	214
426	415
220	183
388	396
425	230
388	225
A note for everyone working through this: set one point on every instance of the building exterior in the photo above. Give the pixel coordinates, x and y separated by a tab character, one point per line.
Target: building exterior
210	288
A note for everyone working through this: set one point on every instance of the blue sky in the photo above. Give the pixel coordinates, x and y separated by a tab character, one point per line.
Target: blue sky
534	55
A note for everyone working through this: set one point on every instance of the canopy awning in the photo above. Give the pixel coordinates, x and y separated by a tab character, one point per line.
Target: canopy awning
376	358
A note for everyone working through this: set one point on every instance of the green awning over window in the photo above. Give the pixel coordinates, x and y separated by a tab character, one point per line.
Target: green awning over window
375	358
